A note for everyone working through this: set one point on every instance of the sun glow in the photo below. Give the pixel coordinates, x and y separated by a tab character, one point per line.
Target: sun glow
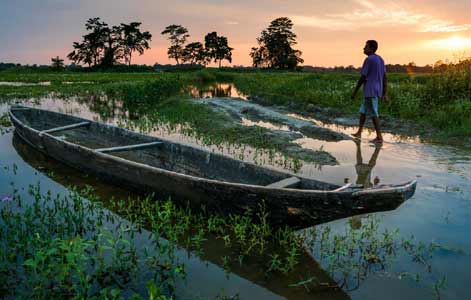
452	43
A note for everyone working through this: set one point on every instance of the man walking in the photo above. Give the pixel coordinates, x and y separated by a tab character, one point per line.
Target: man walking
373	76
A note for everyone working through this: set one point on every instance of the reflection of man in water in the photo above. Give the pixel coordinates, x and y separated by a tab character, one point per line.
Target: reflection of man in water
364	170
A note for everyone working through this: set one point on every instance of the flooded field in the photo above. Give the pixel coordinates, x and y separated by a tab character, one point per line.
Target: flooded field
421	250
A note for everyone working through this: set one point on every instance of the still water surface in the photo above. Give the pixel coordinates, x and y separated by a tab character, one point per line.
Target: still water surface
440	211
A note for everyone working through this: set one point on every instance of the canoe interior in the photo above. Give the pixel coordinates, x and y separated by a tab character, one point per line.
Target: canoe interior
169	156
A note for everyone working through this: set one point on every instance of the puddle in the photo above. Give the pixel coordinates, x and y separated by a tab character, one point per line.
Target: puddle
217	90
18	83
368	134
264	124
77	82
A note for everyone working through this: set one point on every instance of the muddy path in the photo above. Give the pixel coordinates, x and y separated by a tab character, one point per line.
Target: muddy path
335	117
284	130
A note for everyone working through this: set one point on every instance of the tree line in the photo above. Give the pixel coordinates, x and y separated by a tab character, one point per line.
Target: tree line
105	45
215	48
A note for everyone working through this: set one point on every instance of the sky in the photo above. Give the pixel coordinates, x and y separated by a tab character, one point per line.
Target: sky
329	33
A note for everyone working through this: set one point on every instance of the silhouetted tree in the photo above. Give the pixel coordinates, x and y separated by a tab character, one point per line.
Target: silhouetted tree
260	57
195	53
108	45
57	63
177	36
217	48
275	46
83	53
134	40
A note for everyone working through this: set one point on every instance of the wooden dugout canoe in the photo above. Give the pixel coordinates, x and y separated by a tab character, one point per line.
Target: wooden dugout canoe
198	177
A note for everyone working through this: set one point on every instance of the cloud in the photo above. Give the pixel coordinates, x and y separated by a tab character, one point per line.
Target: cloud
370	14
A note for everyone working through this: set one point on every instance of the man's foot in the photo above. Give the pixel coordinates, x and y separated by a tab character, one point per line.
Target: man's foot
357	135
377	141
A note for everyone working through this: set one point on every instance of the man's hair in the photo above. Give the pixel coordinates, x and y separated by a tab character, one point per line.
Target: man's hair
372	44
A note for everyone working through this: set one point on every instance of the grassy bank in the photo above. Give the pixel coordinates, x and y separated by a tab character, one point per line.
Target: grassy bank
441	100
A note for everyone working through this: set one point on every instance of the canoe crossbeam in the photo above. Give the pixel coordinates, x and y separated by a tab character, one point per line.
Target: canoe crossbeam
285	183
20	108
343	187
128	147
67	127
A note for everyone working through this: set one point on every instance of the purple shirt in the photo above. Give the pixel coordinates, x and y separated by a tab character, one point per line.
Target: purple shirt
373	69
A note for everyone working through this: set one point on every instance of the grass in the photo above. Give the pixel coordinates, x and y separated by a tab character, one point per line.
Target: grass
440	100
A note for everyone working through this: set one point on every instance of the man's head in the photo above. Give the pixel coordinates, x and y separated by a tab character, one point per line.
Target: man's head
370	47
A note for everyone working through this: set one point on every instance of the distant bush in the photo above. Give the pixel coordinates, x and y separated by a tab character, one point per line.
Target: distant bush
117	69
176	68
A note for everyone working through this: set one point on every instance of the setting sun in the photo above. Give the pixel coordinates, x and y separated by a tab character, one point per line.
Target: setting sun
452	43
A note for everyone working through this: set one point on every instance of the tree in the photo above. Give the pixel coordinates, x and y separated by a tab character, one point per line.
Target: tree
82	53
177	36
195	53
275	46
217	48
107	46
57	63
95	40
260	57
134	40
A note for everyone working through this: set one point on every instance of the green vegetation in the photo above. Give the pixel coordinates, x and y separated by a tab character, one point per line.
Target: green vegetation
5	124
70	246
65	246
440	101
5	120
363	248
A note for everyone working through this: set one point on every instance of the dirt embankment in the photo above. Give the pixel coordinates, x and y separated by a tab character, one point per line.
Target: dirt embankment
335	117
284	130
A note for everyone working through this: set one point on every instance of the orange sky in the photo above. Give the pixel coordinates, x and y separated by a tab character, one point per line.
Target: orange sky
329	33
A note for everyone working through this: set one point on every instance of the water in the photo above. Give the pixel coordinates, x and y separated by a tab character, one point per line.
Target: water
439	212
18	83
215	90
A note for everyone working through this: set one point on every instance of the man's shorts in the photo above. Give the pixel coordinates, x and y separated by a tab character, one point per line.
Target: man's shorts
370	107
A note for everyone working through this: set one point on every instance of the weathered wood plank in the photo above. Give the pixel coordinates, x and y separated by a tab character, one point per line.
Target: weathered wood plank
129	147
20	108
67	127
343	187
285	183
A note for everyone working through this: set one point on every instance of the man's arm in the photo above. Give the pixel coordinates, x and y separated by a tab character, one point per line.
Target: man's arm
360	82
385	88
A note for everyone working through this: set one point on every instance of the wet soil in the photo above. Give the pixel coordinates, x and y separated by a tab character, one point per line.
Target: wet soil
335	117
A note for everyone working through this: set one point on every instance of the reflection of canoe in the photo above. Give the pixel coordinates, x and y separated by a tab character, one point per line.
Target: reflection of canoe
214	181
306	281
323	287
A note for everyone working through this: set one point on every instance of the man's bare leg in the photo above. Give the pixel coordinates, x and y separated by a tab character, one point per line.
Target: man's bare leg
379	136
360	126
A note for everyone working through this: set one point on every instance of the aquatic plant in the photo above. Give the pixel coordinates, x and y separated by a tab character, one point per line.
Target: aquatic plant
60	246
363	249
5	124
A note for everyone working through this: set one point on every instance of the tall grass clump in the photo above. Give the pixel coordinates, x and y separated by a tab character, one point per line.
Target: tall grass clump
147	92
446	97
